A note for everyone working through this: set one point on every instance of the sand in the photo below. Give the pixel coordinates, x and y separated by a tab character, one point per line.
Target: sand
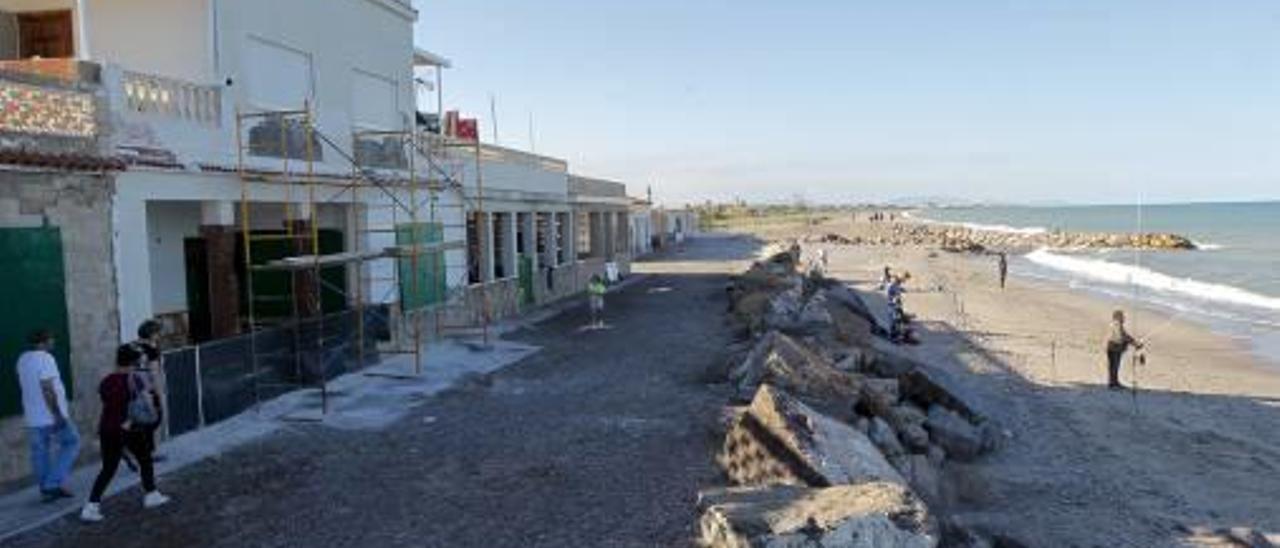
1195	447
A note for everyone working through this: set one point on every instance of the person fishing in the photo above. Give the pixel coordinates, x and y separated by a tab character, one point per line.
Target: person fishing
1004	268
1118	341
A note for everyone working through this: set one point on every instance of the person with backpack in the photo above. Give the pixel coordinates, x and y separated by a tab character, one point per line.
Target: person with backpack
128	421
151	370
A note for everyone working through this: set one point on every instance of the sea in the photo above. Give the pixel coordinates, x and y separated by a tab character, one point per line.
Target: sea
1231	283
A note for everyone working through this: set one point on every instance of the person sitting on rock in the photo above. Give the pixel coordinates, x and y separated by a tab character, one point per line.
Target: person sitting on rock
899	320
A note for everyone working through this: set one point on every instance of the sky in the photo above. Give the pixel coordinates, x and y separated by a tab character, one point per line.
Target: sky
1083	101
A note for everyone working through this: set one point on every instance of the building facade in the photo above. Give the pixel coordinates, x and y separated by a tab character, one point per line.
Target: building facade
641	227
169	160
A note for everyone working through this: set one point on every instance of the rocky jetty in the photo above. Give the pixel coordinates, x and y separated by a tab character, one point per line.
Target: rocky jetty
962	239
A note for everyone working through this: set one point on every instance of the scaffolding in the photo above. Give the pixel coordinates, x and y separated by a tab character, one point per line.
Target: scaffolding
402	209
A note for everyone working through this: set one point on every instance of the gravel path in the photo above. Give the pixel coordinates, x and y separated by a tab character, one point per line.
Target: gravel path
600	439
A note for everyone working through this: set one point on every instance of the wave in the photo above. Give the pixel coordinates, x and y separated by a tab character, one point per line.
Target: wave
1206	246
1023	231
980	227
1117	273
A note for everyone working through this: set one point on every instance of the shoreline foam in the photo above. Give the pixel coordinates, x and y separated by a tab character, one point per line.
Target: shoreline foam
1141	276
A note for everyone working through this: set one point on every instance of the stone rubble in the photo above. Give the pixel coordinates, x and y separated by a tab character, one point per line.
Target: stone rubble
870	515
837	413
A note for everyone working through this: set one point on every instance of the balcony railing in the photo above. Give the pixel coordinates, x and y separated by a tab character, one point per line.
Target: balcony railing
172	98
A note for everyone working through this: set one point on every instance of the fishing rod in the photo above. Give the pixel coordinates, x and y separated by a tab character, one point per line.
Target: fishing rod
1139	354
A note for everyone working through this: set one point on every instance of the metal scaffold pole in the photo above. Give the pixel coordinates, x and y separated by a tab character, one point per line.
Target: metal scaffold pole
487	312
299	257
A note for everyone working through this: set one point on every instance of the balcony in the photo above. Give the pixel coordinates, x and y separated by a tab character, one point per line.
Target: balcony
66	106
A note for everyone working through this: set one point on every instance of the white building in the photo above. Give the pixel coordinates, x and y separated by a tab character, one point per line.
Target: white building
153	135
641	227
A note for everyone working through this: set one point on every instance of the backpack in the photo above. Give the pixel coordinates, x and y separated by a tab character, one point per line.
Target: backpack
142	408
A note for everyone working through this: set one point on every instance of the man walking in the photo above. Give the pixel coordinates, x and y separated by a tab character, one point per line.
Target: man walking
44	409
1118	340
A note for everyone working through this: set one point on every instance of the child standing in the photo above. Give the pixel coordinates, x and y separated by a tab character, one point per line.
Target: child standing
595	294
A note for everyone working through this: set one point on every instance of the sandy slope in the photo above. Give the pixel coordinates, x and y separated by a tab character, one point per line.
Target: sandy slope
1198	446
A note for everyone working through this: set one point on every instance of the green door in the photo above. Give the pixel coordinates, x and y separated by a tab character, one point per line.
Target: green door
422	277
526	280
32	288
273	289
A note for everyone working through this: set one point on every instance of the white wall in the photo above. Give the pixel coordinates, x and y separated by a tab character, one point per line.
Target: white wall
168	225
163	37
337	37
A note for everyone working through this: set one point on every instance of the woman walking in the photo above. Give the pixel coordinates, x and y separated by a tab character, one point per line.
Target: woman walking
128	422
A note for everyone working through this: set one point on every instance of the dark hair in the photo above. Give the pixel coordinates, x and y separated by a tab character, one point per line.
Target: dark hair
39	337
149	329
126	354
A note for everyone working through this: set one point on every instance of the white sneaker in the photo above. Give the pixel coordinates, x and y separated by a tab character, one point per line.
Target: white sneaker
91	513
154	499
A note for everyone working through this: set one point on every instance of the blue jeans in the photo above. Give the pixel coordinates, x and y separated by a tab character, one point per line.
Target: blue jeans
51	472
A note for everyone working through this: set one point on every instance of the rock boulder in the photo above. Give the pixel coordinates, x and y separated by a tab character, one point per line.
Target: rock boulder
875	514
783	362
780	440
958	437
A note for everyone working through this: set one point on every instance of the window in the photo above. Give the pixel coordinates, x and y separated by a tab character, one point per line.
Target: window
279	78
374	107
45	34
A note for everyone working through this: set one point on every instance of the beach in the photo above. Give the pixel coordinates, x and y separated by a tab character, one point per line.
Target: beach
1192	450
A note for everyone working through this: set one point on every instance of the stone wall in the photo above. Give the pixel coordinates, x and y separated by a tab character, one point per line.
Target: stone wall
61	107
79	204
467	310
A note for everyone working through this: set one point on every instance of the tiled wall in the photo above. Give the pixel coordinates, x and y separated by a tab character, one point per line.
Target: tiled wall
30	109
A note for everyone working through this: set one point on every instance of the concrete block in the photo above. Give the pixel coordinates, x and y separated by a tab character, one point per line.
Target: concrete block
875	514
780	440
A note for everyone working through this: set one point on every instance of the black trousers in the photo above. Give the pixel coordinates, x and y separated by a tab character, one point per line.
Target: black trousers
139	444
1114	357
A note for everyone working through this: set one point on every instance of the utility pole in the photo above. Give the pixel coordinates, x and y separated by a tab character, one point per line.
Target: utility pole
493	115
533	143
